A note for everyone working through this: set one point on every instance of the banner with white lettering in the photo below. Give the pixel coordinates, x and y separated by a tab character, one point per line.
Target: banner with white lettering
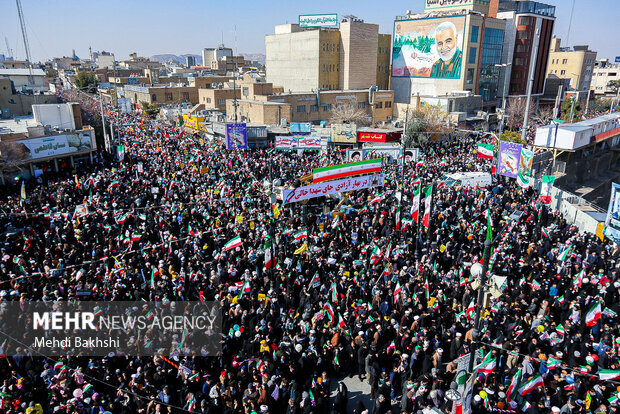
294	195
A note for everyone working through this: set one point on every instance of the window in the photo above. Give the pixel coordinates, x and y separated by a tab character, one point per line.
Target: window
470	76
168	96
361	105
518	74
519	61
246	91
301	109
522	48
351	105
562	72
379	105
208	100
525	20
154	97
564	61
327	107
185	96
523	34
474	34
340	106
314	108
472	56
388	104
612	74
221	101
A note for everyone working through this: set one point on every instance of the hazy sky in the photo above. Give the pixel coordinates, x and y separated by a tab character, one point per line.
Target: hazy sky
55	27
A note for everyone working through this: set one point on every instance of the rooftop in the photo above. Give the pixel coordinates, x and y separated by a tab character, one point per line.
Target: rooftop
21	72
17	125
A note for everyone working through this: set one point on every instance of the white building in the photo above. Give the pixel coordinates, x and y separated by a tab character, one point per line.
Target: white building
211	56
580	134
605	72
19	77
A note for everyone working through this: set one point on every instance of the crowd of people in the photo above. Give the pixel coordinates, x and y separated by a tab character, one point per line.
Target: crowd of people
366	293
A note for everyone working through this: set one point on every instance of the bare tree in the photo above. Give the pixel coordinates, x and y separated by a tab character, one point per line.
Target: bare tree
12	156
515	111
544	114
349	112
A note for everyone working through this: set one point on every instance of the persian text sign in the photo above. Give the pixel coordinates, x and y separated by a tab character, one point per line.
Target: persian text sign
318	20
331	187
298	142
86	328
438	4
371	136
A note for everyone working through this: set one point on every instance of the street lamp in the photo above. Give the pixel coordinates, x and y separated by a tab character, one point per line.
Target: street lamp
503	65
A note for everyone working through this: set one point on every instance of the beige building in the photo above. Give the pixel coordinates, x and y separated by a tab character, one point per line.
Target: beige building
161	95
216	98
384	48
604	73
576	64
350	57
313	107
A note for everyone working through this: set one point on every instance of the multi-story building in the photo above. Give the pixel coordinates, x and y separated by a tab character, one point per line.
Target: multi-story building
576	64
448	48
603	78
104	59
314	107
161	95
136	62
215	98
210	56
190	61
529	27
352	56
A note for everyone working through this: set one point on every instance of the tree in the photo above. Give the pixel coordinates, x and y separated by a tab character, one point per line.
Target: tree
425	122
614	85
600	105
150	109
567	108
415	130
512	136
544	114
12	156
51	73
515	111
349	113
86	81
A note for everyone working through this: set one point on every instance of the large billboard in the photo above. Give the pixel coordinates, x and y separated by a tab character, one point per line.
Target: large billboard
612	222
428	48
236	136
298	142
318	20
43	147
344	133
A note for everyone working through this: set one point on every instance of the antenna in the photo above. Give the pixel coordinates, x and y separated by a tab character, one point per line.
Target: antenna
235	74
570	23
20	13
8	48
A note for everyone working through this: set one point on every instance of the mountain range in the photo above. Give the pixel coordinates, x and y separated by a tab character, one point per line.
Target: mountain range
180	59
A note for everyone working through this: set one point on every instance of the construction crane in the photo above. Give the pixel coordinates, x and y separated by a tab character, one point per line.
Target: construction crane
8	48
22	22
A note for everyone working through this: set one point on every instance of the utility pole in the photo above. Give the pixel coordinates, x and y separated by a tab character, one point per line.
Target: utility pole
22	23
501	124
105	135
481	290
530	85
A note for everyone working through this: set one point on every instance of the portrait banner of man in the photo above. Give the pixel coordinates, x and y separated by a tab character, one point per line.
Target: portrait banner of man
428	48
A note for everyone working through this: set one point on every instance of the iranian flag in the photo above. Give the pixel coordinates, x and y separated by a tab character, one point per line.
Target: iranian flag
511	394
398	218
269	260
488	365
330	312
531	385
334	172
594	314
485	151
415	208
245	288
428	191
397	291
301	234
375	256
232	243
471	310
608	374
545	189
